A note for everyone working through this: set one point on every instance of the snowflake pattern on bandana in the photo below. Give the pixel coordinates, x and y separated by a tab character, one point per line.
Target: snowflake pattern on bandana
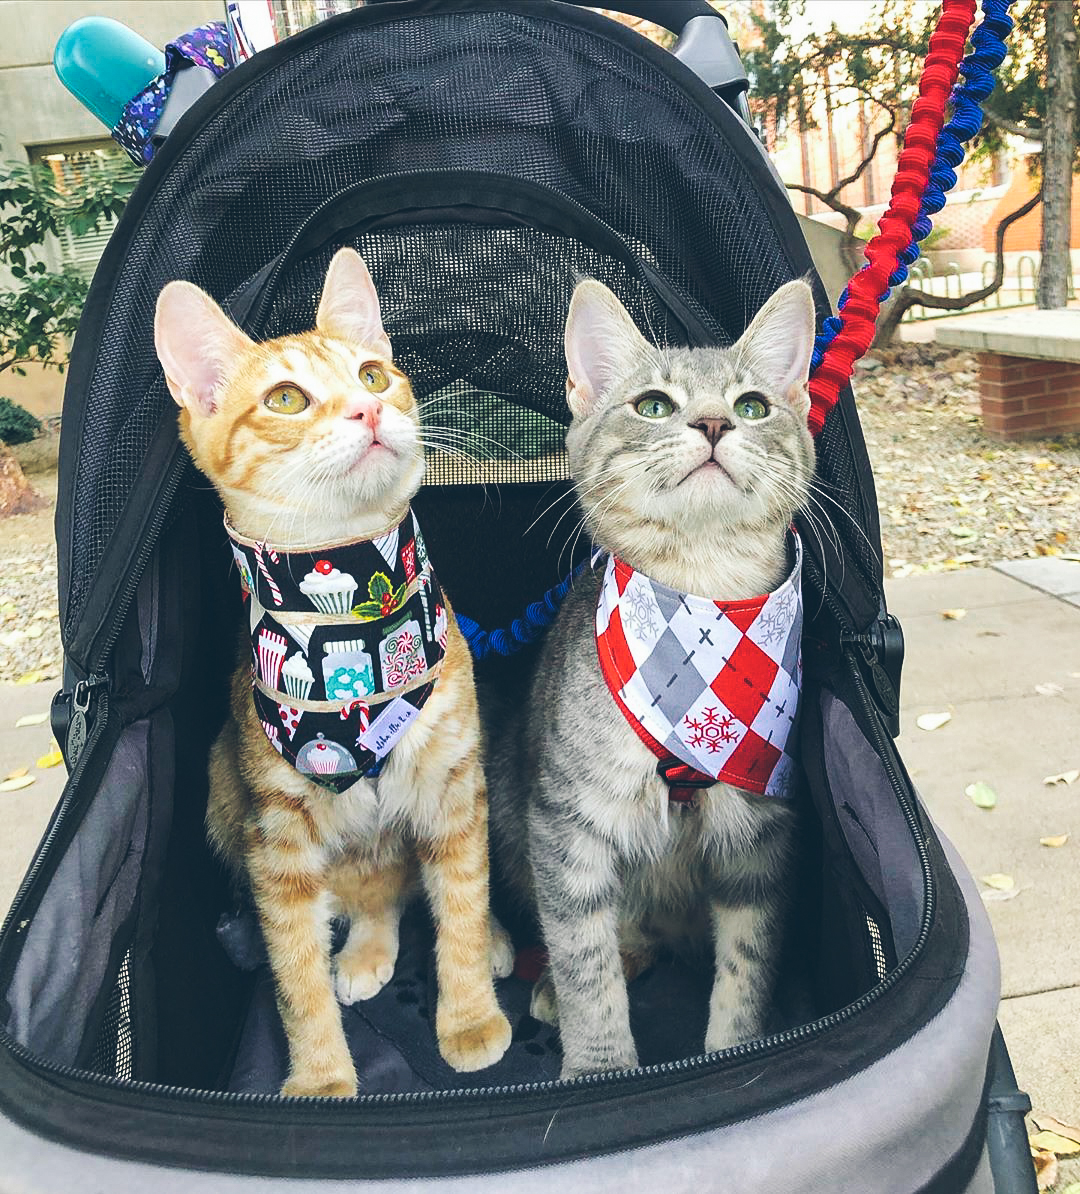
714	684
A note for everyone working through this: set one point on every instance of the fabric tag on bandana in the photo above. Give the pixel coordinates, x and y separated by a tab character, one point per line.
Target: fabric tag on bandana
385	730
713	683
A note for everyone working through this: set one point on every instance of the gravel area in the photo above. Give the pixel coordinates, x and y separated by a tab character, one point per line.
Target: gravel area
29	628
950	496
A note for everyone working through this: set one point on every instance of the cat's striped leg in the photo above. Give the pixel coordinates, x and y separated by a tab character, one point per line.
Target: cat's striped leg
286	871
371	895
744	935
577	894
470	1026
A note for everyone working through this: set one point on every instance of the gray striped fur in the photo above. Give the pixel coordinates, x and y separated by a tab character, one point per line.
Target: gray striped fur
580	821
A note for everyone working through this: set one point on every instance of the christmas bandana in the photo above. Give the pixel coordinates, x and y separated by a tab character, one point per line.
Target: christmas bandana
715	684
346	641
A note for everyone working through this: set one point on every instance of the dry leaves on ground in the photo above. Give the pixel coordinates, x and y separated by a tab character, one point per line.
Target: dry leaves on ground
950	495
981	794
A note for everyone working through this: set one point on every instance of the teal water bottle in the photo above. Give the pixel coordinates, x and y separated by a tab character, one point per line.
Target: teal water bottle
103	64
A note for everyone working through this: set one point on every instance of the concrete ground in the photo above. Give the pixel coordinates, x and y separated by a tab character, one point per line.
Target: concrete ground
1009	673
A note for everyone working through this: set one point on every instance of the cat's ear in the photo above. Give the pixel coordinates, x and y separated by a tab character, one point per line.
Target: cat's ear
197	344
779	342
349	307
600	338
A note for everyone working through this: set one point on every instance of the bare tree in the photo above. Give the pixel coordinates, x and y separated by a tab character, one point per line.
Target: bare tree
1059	146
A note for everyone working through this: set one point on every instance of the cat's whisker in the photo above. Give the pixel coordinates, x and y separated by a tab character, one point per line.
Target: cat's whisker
579	495
617	470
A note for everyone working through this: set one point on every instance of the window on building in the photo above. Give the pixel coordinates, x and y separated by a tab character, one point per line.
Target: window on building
70	165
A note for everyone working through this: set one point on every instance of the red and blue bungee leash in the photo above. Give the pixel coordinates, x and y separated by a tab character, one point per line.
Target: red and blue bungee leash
926	169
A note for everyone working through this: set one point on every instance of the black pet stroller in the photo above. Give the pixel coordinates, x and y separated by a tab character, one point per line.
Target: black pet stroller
481	155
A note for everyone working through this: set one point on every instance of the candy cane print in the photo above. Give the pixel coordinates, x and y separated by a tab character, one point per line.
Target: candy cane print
275	592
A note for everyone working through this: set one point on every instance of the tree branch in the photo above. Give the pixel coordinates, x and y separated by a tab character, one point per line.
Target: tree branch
1033	132
910	296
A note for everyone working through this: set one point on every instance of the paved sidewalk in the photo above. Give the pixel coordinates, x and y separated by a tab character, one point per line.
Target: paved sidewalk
1021	630
26	812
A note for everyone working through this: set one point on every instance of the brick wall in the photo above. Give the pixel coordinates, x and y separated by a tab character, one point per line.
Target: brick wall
1023	398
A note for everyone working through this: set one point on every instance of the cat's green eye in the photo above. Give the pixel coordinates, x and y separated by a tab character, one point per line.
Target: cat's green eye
374	378
286	400
751	406
654	406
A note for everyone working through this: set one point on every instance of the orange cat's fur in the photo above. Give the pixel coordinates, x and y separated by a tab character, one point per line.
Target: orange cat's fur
345	468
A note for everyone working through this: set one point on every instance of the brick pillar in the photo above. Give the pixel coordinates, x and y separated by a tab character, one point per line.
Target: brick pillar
1023	398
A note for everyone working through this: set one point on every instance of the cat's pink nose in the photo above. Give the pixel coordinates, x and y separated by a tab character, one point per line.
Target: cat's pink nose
365	408
713	429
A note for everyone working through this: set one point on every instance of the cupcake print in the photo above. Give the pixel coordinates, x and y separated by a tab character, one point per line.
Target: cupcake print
329	590
297	676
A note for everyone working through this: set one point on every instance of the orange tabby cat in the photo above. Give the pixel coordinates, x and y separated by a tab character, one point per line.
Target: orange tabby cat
313	443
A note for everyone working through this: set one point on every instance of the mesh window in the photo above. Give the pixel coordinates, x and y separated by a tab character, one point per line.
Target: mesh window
475	312
472	312
113	1054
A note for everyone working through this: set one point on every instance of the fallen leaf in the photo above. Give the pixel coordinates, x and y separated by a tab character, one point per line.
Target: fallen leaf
1065	777
1044	463
991	895
53	759
31	719
1049	689
933	721
13	785
18	773
1060	537
981	794
998	881
1047	549
31	678
1060	1146
1046	1168
1058	839
953	615
1047	1123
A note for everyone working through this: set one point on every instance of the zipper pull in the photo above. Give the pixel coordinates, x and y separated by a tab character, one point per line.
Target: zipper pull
881	651
82	703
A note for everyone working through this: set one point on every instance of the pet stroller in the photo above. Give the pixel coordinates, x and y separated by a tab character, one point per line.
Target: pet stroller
481	155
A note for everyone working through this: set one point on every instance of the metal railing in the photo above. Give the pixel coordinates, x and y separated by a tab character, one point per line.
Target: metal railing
1016	290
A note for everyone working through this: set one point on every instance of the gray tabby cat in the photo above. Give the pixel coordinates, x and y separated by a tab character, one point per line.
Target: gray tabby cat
689	466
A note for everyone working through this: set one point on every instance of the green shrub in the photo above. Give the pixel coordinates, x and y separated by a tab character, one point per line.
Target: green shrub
17	425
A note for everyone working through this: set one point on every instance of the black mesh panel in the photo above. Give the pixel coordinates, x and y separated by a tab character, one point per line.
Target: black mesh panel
475	313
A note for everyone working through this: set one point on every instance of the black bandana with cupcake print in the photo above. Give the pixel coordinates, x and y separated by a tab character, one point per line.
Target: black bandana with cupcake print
347	641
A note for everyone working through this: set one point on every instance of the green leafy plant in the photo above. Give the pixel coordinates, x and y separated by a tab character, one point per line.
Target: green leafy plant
41	311
17	425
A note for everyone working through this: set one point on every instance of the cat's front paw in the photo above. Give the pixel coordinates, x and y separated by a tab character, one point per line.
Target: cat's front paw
364	967
357	982
543	1005
502	950
320	1084
724	1032
475	1046
622	1059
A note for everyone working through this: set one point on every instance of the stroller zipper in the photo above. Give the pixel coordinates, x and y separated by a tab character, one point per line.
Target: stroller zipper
767	1046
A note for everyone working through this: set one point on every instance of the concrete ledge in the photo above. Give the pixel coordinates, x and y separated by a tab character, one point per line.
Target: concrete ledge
1042	335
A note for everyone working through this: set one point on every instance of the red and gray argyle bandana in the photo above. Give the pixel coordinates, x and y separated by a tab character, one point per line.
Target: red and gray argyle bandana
713	683
347	641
